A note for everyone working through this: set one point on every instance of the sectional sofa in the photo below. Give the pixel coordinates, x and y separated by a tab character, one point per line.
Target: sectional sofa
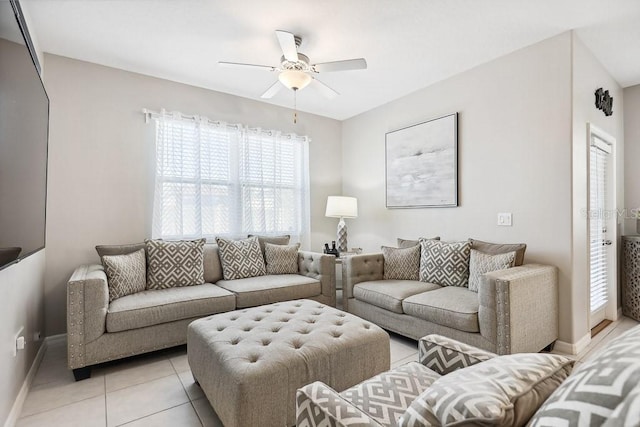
100	330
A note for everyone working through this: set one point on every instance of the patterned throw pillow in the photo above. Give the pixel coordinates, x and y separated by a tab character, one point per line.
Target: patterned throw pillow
481	263
504	391
592	394
126	274
174	263
443	263
241	258
401	264
281	259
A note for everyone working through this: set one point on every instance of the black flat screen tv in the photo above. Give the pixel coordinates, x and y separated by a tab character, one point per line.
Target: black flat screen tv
24	129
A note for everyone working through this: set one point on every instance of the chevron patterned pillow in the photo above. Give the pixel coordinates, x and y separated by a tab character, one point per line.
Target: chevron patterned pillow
444	263
504	391
480	263
126	274
595	390
174	263
281	259
401	264
241	258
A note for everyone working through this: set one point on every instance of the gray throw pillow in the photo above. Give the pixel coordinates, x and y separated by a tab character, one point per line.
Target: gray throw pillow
444	263
404	243
401	264
591	395
126	274
174	263
282	259
119	249
241	258
274	240
500	248
481	263
503	391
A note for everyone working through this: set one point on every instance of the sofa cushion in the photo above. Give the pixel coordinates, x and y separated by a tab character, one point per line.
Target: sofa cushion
444	263
499	248
119	249
212	265
503	391
594	391
405	243
481	263
401	264
268	289
386	396
388	294
126	274
157	306
174	263
449	306
274	240
281	259
241	258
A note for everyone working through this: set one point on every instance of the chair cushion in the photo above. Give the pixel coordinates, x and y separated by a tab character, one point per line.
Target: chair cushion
268	289
174	263
401	263
448	306
503	391
126	274
153	307
444	263
389	294
386	396
241	258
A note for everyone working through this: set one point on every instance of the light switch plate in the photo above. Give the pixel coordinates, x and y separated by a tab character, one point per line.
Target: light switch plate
504	219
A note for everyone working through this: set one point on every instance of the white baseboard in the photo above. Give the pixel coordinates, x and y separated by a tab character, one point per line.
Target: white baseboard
573	348
16	409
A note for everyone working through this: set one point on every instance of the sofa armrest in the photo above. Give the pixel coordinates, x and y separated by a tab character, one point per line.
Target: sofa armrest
87	304
321	267
318	405
360	268
519	308
444	355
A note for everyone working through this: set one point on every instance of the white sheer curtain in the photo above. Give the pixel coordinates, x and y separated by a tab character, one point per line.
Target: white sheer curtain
215	179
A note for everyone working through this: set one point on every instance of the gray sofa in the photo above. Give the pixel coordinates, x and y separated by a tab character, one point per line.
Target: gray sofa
457	384
99	331
515	310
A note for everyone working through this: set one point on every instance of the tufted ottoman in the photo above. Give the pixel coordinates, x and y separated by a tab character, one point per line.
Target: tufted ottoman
250	363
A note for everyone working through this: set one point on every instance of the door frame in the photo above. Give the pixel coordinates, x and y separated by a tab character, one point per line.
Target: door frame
611	308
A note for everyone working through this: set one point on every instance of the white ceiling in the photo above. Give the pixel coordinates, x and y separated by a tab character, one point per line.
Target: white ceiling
408	44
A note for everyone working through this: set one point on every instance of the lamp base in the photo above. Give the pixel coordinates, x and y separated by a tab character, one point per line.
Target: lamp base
342	236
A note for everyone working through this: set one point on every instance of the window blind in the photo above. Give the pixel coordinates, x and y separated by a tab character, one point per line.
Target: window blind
599	153
215	179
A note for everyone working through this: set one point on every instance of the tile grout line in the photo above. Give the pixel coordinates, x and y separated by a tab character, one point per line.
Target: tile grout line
106	413
157	412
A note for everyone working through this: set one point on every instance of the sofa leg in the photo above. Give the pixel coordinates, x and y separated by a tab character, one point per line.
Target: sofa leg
82	373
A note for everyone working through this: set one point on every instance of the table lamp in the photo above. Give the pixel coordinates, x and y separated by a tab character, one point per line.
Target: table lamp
342	207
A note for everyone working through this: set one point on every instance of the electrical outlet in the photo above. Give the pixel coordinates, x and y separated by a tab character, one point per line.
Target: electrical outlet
504	219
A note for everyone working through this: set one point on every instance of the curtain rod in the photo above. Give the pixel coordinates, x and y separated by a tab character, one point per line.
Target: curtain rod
150	114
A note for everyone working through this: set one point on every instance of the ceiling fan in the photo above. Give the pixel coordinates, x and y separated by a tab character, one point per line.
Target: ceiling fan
295	69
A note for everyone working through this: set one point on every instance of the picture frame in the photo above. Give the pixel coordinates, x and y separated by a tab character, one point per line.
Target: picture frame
421	164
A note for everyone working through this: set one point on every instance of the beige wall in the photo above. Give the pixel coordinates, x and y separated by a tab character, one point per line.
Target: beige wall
21	306
101	160
589	75
514	156
631	152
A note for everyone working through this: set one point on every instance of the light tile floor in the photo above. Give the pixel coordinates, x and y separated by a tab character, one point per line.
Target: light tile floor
158	390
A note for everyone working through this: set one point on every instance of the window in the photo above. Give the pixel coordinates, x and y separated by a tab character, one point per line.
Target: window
215	179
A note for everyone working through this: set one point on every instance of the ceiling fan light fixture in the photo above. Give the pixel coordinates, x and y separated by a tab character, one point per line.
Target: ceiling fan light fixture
294	79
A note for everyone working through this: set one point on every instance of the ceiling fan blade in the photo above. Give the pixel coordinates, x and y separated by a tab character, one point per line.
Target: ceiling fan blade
348	64
288	45
273	89
238	64
324	89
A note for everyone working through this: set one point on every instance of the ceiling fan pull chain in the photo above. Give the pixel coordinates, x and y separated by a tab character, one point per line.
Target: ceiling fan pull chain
295	107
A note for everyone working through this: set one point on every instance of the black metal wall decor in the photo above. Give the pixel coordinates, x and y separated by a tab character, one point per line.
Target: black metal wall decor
604	101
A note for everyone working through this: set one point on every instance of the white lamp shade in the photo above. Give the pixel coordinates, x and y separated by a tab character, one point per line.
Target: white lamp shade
294	79
342	207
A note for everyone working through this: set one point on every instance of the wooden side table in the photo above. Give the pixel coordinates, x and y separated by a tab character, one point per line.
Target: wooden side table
631	276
